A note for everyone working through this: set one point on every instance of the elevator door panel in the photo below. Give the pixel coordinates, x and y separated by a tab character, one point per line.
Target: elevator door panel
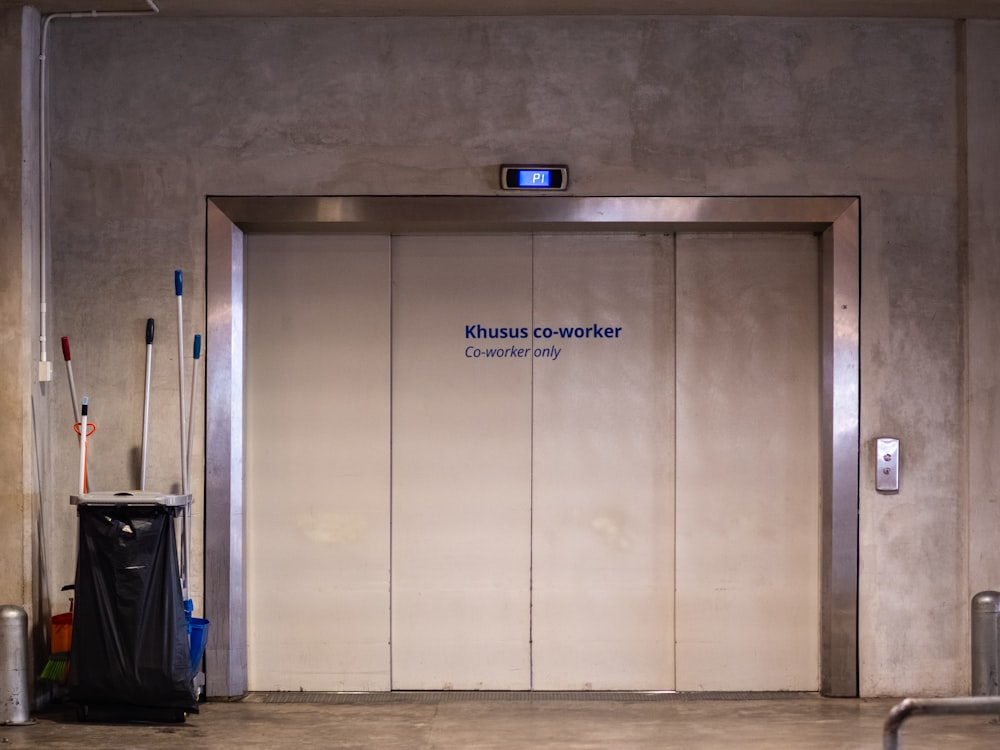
317	513
528	508
602	480
461	463
748	464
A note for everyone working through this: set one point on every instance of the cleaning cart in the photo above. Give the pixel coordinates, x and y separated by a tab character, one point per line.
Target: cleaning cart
131	653
136	647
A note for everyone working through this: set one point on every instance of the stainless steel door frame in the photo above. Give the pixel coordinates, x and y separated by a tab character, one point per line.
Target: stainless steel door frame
228	219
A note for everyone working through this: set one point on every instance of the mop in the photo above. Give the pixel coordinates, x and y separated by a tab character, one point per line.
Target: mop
194	387
188	603
197	627
81	428
69	372
145	403
179	290
56	669
185	479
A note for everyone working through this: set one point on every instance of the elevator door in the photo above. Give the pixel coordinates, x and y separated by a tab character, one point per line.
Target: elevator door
461	464
318	439
603	470
748	462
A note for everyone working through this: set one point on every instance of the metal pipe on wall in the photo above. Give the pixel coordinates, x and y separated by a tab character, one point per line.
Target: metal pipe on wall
44	366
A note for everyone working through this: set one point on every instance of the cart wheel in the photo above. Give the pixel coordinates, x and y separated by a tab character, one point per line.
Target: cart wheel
180	716
83	712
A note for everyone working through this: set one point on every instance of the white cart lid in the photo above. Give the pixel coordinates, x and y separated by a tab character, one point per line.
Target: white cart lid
131	497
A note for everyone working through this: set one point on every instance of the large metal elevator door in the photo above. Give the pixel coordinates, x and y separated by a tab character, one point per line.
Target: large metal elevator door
748	462
317	473
461	464
568	461
602	469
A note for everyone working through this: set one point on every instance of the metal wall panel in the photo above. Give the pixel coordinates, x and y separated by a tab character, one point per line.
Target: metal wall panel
602	479
461	464
225	565
317	415
748	462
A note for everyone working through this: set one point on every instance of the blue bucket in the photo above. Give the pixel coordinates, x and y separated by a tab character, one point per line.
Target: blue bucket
199	637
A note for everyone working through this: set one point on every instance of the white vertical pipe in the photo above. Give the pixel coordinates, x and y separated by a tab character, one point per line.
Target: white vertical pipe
43	177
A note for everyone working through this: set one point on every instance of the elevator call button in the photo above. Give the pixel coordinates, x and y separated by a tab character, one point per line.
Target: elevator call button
887	464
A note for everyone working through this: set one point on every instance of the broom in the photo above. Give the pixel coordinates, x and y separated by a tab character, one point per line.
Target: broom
56	669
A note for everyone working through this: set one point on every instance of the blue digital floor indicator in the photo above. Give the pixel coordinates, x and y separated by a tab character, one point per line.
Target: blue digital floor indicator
530	177
534	178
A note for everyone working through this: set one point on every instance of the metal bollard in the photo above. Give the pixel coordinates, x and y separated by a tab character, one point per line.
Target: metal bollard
986	643
14	699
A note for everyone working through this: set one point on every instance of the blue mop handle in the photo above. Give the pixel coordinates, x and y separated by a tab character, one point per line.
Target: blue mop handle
178	283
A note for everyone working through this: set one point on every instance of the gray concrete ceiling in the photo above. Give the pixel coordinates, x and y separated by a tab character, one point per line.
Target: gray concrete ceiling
808	8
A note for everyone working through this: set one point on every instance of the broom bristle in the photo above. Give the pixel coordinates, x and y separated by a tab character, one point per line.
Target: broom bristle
56	668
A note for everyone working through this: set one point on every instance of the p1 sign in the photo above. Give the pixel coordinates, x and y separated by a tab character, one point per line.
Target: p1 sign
531	177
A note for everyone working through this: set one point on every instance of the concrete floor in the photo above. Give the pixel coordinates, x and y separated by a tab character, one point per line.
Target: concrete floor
441	721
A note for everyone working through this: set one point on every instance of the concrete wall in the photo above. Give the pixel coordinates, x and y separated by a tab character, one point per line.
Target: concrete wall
20	397
983	78
150	116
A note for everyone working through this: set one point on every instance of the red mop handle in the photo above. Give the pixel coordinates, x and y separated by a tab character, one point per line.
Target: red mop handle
65	345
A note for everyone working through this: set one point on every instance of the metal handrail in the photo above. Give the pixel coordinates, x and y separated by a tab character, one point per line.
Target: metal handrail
933	707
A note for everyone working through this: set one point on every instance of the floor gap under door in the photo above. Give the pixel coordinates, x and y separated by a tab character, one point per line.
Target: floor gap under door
454	696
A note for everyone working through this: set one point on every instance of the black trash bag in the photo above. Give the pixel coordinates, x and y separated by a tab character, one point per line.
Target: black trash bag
130	642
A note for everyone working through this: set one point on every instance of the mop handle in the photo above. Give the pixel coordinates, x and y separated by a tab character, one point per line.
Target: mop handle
145	402
194	388
179	289
69	372
186	546
83	446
